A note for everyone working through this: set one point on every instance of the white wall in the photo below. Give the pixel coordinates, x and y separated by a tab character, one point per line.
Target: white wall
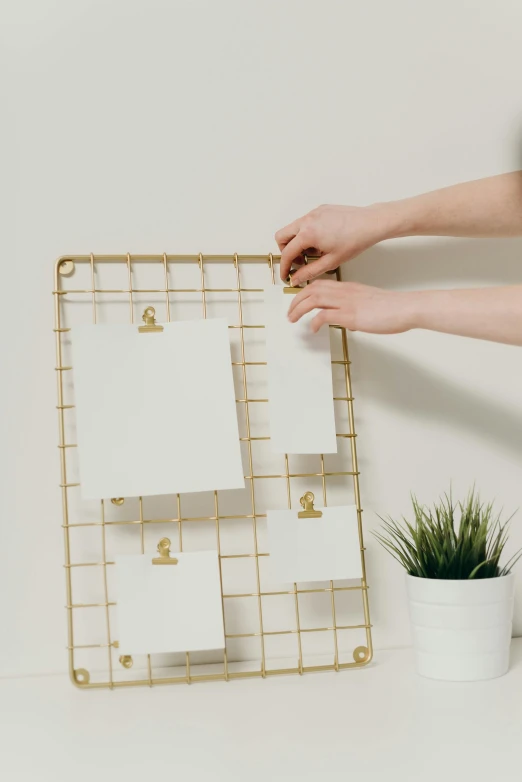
188	126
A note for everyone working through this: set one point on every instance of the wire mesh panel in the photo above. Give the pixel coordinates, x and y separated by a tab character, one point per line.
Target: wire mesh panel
270	628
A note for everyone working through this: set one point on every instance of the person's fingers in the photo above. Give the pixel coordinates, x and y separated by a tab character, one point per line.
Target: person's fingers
314	302
286	234
315	288
323	317
320	294
299	297
313	269
325	289
291	251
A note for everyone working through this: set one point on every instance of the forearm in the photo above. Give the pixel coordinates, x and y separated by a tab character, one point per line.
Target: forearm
484	208
489	313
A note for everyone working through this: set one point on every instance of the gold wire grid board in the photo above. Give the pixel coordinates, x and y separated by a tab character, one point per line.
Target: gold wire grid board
269	628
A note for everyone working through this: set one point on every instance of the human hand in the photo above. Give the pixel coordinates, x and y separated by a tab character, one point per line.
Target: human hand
336	233
356	307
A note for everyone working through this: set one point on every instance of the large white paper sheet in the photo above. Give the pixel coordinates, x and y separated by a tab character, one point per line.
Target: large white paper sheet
169	608
321	549
156	413
299	380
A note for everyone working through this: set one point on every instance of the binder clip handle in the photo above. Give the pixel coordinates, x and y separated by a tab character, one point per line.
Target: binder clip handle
149	319
307	503
164	554
289	287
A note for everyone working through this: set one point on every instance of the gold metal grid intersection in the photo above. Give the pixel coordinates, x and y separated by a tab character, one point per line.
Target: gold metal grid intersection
81	677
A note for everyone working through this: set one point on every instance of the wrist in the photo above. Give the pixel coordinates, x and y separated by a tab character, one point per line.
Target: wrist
431	309
395	218
416	307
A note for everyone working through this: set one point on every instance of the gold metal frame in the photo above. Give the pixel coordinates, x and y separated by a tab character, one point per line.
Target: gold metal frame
362	655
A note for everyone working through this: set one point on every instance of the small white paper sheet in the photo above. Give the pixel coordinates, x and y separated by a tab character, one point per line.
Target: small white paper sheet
155	413
321	549
300	386
169	608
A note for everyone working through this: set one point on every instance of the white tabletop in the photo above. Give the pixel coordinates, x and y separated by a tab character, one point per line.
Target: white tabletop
378	723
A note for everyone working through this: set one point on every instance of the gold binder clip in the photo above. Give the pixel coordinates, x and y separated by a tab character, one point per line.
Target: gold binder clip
149	318
290	288
164	554
309	512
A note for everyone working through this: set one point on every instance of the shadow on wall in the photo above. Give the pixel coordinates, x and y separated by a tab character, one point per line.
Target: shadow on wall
443	262
399	382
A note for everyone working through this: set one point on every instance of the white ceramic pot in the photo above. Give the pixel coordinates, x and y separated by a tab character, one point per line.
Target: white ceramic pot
461	629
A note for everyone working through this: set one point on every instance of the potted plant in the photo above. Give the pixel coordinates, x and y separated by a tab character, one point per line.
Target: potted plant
460	596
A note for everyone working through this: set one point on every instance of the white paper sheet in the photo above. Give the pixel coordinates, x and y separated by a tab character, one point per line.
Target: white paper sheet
321	549
156	413
300	386
169	608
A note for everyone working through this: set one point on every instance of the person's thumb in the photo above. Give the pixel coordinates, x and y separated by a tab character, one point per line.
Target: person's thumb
313	269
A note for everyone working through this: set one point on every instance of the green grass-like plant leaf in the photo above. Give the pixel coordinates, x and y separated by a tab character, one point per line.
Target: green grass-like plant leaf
451	540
